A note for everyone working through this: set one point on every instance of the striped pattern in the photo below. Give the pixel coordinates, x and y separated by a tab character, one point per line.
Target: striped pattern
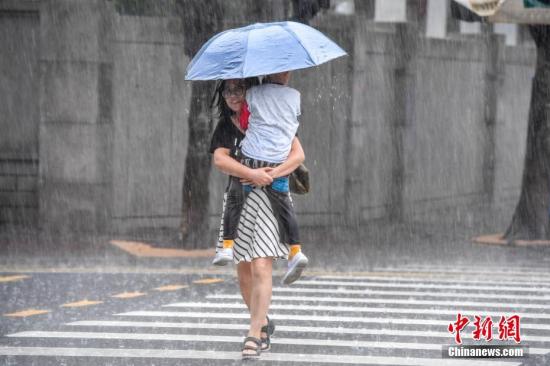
333	327
258	232
293	358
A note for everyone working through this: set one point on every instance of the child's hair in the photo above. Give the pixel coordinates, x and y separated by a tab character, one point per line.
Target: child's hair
219	101
276	77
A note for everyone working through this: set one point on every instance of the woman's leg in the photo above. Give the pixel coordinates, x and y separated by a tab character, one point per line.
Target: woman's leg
244	273
260	295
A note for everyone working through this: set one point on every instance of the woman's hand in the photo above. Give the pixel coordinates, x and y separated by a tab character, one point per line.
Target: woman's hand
259	177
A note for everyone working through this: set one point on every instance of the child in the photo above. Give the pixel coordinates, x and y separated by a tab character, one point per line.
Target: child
274	108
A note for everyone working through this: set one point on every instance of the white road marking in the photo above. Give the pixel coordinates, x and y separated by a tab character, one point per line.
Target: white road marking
218	355
413	288
512	273
458	304
495	288
283	328
340	319
232	339
410	293
461	268
454	279
354	309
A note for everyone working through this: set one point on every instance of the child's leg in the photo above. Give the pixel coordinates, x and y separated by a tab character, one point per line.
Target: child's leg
233	208
233	205
283	209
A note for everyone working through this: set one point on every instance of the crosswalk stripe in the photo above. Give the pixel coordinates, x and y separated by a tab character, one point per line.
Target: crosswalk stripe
132	324
410	293
218	355
386	291
435	279
282	328
511	273
491	269
537	289
354	309
232	339
341	319
459	304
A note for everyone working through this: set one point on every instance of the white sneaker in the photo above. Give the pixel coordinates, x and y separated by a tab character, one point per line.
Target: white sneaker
223	256
295	267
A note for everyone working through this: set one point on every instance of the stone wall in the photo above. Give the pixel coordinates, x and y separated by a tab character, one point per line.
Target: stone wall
151	103
18	191
446	141
101	144
76	125
19	111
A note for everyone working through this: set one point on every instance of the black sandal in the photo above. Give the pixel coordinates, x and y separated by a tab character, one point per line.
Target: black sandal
267	329
257	350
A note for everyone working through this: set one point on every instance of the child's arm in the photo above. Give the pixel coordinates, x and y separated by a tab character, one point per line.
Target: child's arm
295	158
230	166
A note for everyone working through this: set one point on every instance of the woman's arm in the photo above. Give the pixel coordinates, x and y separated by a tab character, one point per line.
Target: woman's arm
295	158
225	163
230	166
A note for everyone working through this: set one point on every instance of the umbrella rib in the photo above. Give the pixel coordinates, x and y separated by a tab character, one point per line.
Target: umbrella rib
300	42
246	55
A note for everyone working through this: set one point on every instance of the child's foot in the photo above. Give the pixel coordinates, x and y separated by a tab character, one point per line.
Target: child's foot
223	256
296	265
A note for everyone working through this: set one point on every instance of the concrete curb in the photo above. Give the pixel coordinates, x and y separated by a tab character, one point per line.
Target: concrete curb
498	239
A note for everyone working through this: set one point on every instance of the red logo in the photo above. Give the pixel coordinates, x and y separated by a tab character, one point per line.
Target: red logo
457	327
483	328
507	328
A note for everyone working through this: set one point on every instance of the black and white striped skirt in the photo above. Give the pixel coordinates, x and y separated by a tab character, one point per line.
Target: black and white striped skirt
258	231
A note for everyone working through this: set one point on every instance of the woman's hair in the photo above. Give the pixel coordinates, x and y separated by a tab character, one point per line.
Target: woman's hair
224	112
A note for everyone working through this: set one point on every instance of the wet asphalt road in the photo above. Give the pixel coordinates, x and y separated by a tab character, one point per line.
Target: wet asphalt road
392	316
409	282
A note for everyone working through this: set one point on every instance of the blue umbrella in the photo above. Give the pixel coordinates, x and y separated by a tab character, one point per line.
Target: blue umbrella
261	49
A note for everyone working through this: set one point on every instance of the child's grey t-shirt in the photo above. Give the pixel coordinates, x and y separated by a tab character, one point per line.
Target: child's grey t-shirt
273	122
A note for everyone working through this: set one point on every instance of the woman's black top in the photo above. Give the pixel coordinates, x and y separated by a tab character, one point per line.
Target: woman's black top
226	135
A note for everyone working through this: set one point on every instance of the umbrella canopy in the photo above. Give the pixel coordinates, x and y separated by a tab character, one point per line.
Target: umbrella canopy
261	49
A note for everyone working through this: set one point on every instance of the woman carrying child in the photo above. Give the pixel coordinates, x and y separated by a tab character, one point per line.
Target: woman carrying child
257	242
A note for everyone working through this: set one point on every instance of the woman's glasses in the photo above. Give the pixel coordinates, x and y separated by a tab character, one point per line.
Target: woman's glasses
236	92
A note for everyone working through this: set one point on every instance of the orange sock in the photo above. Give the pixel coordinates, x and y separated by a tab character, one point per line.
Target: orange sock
294	249
228	244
